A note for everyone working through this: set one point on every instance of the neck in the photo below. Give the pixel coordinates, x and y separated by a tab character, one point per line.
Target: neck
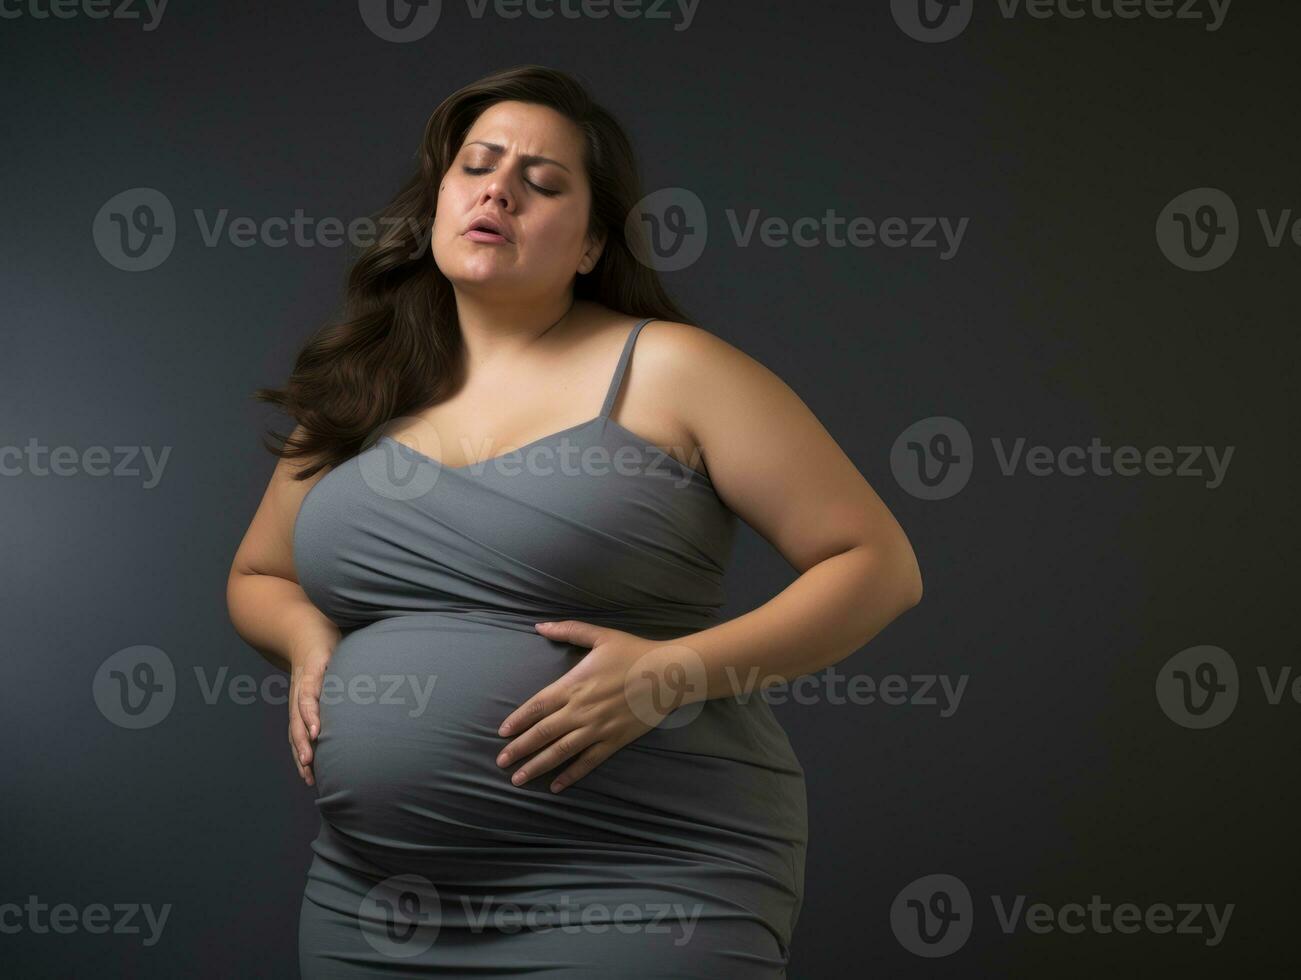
492	327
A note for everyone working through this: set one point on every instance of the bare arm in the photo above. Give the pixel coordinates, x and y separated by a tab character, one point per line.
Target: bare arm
267	606
271	612
780	471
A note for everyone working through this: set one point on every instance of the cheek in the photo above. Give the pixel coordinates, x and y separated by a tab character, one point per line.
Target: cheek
445	224
560	235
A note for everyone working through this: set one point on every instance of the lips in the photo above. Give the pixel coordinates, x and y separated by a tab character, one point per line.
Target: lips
485	228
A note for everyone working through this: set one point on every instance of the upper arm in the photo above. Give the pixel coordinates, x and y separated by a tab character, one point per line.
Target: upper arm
770	459
268	546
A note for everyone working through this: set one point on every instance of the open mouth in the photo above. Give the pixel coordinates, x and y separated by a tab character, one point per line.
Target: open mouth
487	231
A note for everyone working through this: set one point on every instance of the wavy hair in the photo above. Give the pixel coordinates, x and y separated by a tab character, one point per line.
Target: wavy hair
397	347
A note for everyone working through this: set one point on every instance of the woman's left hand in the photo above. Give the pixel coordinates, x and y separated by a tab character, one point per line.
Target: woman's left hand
612	696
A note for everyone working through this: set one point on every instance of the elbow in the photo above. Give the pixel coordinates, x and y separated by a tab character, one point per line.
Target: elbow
911	591
914	594
910	578
893	575
232	595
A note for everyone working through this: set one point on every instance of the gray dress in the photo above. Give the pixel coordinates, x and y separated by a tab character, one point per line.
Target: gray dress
681	855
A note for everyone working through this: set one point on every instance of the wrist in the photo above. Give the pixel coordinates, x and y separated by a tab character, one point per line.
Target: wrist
311	641
680	672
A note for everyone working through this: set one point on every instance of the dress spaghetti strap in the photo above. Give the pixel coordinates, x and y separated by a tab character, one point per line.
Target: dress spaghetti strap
619	369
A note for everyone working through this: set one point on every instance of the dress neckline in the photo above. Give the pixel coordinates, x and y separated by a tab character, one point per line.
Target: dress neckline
469	468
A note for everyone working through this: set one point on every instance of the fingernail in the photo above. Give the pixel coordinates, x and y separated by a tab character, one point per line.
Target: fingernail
518	777
501	759
556	787
543	624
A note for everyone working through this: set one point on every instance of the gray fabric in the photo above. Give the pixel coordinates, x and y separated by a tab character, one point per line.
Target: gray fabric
697	830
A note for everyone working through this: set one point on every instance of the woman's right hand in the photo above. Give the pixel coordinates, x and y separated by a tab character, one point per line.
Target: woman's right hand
306	678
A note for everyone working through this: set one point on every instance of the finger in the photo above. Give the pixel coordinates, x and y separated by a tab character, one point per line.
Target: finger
309	709
587	760
572	631
299	737
293	753
550	698
538	737
563	749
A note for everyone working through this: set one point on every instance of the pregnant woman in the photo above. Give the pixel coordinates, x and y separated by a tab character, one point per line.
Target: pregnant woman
491	557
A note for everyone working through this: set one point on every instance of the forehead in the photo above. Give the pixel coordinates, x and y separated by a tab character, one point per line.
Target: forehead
527	128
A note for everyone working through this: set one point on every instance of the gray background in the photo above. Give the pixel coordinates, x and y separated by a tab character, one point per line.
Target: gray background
1058	598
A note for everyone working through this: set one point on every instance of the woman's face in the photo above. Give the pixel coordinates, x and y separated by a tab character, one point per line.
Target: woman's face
520	164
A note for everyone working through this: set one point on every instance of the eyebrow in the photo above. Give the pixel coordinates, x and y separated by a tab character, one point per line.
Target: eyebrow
529	159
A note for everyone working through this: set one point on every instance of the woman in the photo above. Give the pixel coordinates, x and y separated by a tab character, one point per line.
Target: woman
535	746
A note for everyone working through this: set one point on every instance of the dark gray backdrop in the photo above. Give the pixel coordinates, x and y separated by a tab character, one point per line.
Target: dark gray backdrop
1067	314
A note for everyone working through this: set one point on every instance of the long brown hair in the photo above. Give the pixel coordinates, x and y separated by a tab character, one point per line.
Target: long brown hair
398	346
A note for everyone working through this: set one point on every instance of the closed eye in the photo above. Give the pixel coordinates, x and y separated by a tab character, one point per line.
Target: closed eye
476	171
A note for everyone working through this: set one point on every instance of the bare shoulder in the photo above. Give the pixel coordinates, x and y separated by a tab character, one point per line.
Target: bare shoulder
685	347
706	376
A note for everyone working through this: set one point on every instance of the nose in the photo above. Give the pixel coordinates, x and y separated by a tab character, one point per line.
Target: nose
497	189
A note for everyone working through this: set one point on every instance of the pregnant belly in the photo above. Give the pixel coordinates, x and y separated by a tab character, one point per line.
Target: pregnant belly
406	767
409	714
